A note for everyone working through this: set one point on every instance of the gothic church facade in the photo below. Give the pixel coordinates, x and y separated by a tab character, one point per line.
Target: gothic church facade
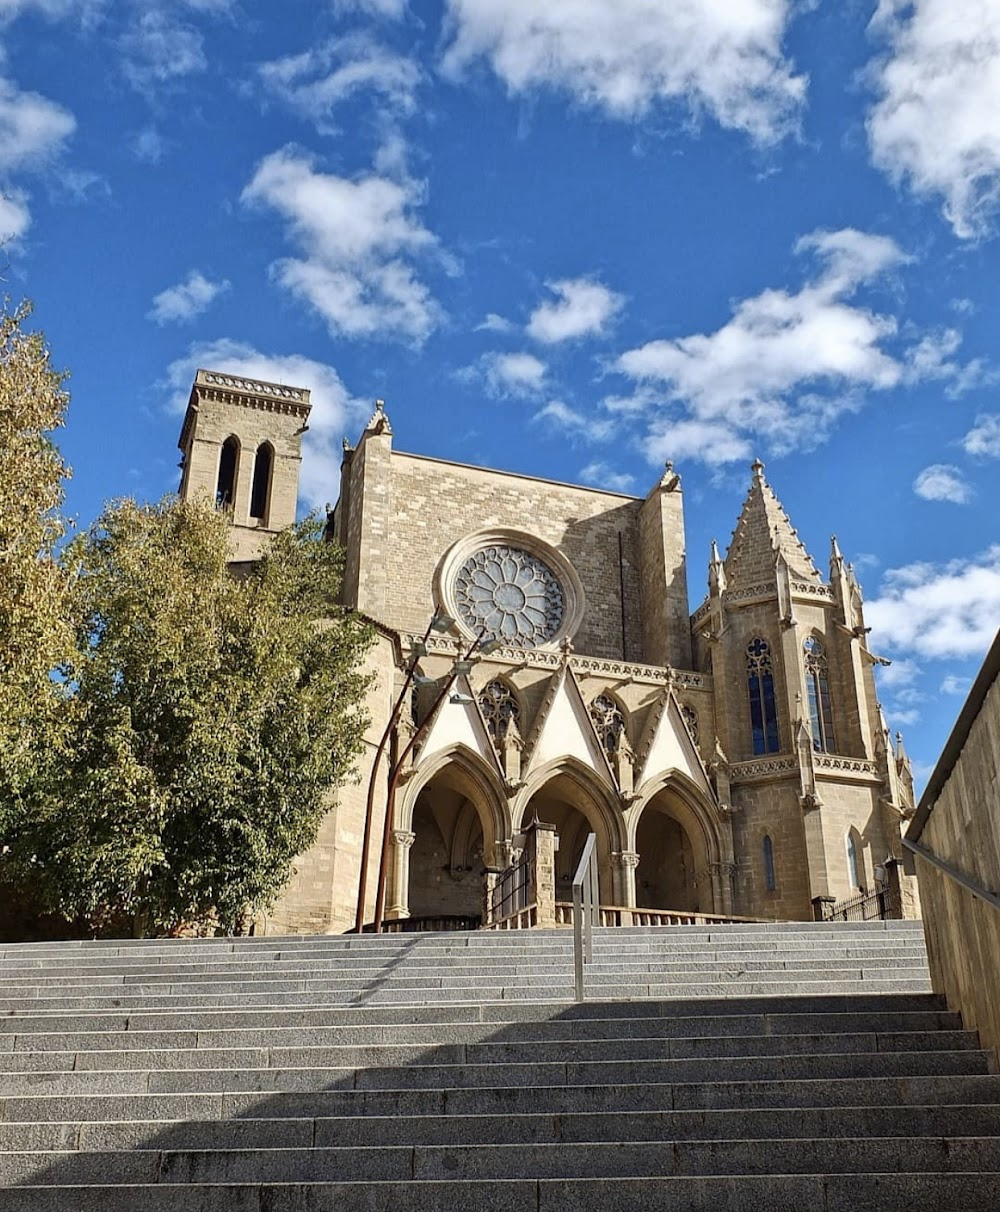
732	761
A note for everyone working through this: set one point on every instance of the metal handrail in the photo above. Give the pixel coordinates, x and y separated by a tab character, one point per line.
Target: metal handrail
954	873
586	911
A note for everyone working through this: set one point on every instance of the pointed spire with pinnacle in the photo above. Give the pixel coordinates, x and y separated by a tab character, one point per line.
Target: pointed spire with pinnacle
379	422
762	533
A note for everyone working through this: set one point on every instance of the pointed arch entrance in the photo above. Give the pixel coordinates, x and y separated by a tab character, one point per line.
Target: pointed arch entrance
678	845
569	797
450	826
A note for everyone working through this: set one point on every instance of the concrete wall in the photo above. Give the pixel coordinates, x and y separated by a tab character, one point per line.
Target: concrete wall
958	820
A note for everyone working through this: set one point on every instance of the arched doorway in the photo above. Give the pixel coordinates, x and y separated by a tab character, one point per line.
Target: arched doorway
447	837
576	811
677	854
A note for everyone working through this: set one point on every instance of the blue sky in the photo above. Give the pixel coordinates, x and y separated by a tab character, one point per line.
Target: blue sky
573	239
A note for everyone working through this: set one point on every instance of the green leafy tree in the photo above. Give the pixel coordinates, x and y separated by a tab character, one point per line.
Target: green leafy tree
35	632
212	716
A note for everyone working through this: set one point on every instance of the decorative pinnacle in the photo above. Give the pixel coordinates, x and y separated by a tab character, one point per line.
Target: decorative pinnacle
757	467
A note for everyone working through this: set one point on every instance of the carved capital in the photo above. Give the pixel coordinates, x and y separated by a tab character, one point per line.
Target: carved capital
403	838
625	858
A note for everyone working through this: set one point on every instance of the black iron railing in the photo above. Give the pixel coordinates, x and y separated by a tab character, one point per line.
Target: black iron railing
431	922
877	904
511	892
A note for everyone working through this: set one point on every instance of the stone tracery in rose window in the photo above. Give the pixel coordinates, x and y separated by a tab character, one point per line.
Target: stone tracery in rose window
510	595
609	722
500	708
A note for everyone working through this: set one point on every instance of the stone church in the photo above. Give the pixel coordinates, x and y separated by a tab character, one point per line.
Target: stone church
733	761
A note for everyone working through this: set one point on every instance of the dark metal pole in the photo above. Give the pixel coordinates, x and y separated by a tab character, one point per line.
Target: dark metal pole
359	920
394	780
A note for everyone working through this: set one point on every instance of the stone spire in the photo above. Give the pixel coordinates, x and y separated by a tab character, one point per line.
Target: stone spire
762	534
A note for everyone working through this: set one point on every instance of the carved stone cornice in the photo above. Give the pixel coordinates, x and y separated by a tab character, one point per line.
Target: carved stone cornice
762	768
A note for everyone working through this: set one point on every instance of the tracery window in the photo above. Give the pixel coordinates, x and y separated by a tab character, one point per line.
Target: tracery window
609	722
769	881
499	706
820	705
690	717
505	593
760	685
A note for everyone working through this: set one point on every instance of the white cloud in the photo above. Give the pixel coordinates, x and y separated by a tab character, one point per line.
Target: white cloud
784	368
939	611
934	125
374	8
358	237
583	307
931	358
188	299
148	146
953	684
509	374
983	439
32	128
942	482
315	82
899	673
15	218
334	410
158	49
575	424
494	323
602	476
626	56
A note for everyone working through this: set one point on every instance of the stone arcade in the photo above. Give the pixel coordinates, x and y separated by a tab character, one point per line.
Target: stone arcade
734	761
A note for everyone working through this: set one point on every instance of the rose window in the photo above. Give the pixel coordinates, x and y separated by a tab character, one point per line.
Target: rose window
509	595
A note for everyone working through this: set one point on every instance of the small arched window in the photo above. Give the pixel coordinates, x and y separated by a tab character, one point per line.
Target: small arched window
229	458
769	881
609	722
760	685
820	705
853	860
499	706
261	491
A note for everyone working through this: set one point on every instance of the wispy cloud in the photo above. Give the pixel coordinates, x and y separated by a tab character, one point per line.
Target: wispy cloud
627	56
602	476
786	365
983	439
943	482
575	424
322	78
186	300
359	237
583	307
934	124
508	374
938	611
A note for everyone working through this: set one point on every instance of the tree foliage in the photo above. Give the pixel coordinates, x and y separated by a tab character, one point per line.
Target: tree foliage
211	716
35	631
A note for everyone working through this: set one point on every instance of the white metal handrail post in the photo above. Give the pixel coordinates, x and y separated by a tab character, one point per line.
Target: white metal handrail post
586	904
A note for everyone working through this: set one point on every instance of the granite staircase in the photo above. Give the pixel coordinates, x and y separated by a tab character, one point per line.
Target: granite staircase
721	1068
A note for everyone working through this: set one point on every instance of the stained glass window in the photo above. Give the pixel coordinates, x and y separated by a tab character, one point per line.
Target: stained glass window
763	710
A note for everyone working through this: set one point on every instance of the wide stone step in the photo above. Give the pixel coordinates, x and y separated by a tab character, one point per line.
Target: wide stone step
877	1192
945	1090
334	1055
360	1131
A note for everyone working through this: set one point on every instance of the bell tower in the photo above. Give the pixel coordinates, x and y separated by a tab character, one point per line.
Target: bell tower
241	446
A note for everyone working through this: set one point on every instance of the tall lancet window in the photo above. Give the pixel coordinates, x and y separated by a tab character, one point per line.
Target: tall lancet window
770	883
225	487
853	864
499	707
760	684
261	492
820	706
608	722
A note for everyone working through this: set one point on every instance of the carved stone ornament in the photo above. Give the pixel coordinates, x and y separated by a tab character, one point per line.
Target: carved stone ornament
511	595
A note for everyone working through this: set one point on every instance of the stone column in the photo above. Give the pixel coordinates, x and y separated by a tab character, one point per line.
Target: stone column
542	841
403	839
623	893
490	877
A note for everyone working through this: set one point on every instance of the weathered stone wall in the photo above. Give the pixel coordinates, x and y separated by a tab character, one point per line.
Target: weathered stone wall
963	829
